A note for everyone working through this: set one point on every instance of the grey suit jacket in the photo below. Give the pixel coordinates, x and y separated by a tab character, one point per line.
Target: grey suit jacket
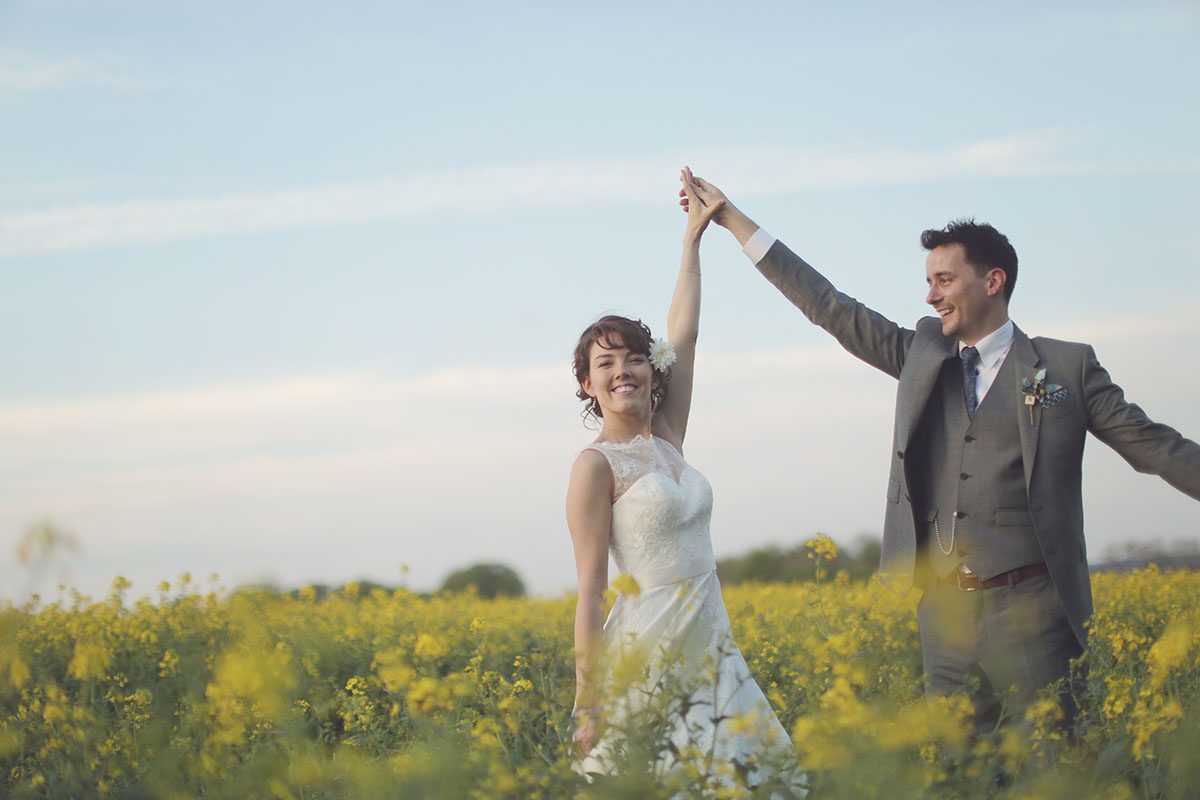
1052	447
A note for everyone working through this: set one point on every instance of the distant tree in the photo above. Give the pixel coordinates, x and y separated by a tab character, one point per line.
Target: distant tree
1179	554
259	588
771	563
358	588
314	591
489	580
789	565
864	562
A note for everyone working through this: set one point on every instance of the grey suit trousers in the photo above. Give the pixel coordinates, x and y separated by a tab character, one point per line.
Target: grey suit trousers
999	646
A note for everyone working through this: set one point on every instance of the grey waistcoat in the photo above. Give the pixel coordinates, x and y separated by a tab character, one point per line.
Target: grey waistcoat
972	468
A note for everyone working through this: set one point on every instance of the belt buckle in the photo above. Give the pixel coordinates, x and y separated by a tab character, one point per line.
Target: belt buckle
966	580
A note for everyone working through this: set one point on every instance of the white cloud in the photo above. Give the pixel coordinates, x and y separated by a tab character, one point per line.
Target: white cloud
437	469
1126	329
15	195
25	72
508	187
331	476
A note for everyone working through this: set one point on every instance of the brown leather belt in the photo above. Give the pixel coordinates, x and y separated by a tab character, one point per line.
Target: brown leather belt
968	581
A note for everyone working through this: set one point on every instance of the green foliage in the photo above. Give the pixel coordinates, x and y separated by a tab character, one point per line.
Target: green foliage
489	580
774	564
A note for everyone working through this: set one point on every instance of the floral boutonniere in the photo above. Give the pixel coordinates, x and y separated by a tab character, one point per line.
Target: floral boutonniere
1038	392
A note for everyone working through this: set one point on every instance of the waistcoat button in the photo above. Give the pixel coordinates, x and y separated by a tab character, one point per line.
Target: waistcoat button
969	438
964	476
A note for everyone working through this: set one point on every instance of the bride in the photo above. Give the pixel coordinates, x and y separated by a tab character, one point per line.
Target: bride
664	661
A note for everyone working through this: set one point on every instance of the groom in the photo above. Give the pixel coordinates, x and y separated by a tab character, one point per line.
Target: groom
984	504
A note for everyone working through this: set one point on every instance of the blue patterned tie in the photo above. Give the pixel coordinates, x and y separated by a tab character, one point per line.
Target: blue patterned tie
970	357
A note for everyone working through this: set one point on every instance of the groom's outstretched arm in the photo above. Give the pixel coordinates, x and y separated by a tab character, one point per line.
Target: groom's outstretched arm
865	333
1148	446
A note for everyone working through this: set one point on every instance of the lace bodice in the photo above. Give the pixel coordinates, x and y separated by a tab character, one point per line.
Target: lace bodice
661	512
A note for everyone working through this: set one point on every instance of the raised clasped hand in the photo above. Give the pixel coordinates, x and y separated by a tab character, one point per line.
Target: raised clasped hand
702	201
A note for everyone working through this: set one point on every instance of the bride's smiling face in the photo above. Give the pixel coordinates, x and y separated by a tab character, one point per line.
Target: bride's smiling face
620	380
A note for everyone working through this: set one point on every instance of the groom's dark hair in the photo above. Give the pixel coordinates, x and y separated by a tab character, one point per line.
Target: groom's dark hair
986	248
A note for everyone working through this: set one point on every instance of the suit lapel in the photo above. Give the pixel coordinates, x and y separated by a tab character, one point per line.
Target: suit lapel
1026	364
928	366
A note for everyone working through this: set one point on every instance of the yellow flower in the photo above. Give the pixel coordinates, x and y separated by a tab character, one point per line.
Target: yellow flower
426	695
487	732
626	584
18	672
393	671
1171	650
90	660
822	547
168	664
1044	710
431	647
743	722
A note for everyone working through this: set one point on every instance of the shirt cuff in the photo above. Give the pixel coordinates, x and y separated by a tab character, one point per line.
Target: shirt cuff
757	245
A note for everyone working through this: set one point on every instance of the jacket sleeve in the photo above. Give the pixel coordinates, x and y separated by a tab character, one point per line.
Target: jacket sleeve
1148	446
866	334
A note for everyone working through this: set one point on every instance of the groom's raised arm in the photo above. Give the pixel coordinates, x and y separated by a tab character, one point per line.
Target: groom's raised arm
865	333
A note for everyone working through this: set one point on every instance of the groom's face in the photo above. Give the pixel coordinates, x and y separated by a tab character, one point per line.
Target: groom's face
958	293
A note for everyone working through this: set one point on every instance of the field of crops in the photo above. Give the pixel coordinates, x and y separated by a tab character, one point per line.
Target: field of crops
392	694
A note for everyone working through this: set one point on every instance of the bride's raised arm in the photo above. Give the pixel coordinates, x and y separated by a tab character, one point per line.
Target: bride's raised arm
683	320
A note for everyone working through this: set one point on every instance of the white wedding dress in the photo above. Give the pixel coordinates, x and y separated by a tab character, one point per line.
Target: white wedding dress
675	630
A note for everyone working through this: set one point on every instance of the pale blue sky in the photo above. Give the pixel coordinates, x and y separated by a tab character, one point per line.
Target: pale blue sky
290	288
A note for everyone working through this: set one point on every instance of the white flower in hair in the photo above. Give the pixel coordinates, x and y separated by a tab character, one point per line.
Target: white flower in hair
662	354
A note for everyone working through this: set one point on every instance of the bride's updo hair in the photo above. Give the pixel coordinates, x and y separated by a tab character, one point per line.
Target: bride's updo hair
611	332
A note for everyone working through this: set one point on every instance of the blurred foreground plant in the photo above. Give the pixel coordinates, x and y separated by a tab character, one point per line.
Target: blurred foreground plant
370	693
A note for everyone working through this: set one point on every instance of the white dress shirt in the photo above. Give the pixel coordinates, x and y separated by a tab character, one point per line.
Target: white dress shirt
992	348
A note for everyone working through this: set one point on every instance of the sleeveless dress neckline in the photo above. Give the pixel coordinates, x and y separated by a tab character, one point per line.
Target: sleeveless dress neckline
637	439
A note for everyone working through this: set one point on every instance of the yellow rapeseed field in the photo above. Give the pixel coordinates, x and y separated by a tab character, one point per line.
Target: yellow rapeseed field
393	694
